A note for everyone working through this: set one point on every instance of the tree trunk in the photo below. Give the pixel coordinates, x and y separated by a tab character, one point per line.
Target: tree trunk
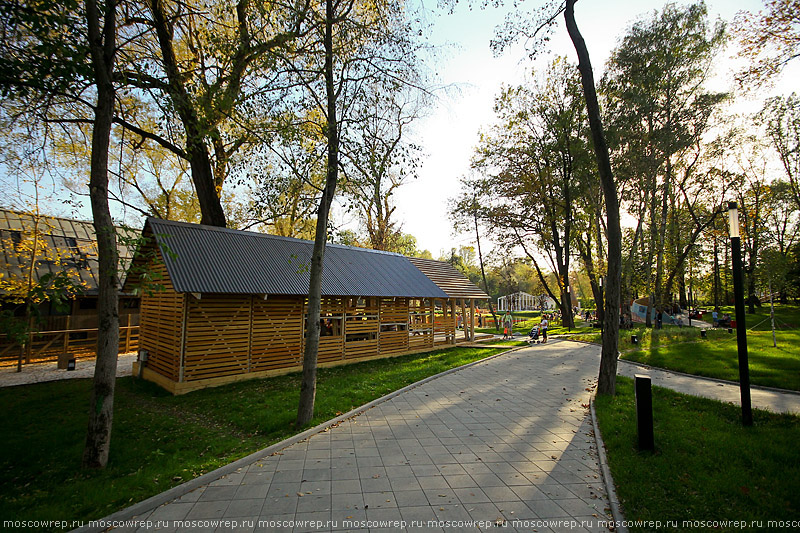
202	173
716	274
308	387
483	270
608	360
102	45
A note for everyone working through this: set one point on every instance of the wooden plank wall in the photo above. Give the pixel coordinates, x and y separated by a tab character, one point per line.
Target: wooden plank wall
393	336
160	326
217	336
361	327
444	326
420	323
229	335
276	333
331	348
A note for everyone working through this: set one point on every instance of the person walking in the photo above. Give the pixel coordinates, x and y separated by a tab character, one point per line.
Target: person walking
508	325
543	328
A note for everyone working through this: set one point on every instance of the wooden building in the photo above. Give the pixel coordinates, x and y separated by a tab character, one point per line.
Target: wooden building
223	305
35	247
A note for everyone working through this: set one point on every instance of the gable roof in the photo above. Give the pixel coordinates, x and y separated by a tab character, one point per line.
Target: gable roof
208	259
451	281
67	244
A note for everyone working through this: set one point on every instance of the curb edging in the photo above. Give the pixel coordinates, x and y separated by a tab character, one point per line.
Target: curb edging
616	508
176	492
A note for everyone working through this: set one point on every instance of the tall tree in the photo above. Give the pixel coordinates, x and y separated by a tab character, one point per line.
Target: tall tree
379	159
533	162
54	58
355	44
205	63
537	31
660	112
608	360
464	212
770	40
102	36
781	117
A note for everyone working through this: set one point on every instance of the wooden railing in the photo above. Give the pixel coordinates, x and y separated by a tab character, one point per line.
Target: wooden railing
48	345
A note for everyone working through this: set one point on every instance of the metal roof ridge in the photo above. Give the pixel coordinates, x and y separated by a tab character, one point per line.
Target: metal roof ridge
206	227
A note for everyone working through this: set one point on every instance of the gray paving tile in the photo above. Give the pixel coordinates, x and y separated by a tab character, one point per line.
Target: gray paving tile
243	507
501	440
245	492
207	509
347	501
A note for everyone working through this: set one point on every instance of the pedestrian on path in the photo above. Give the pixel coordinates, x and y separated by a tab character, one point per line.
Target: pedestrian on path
508	325
543	328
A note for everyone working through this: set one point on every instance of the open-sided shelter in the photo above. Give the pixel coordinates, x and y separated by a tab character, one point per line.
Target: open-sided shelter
222	305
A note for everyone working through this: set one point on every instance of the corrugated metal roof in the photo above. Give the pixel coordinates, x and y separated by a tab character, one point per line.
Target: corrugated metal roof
65	244
207	259
451	281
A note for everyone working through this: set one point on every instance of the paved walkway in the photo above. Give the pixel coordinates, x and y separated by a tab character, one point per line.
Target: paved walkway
774	400
507	441
41	372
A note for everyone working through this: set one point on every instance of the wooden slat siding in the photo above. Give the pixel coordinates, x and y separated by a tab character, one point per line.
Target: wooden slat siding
277	333
216	336
393	311
160	326
330	348
445	324
420	325
361	318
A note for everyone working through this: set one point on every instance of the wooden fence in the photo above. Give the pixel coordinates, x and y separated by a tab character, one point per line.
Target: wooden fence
49	344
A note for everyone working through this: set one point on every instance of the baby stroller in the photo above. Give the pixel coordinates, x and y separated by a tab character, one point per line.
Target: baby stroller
533	336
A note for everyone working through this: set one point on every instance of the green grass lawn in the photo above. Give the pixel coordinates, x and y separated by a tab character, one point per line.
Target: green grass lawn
524	327
160	440
684	350
706	466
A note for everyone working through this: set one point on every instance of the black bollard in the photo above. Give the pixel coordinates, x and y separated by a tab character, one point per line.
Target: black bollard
644	412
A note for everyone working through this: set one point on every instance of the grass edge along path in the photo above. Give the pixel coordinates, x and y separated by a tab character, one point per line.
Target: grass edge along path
161	440
707	468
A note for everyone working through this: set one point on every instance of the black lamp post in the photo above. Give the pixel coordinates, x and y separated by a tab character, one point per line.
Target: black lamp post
741	329
569	308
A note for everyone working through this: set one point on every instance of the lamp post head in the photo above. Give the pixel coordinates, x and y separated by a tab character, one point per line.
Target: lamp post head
733	219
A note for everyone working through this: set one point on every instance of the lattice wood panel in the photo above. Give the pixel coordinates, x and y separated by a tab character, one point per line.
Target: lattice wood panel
217	336
277	335
330	349
160	326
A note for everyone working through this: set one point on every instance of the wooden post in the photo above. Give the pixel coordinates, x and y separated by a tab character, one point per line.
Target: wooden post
30	341
250	335
464	319
472	320
433	321
184	323
128	336
453	317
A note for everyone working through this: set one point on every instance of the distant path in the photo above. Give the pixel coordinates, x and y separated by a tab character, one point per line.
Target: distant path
775	400
40	372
